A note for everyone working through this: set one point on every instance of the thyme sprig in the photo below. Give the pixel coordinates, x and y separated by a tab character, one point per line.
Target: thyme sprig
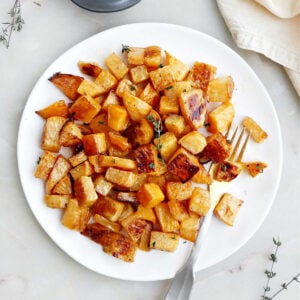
157	129
270	274
16	24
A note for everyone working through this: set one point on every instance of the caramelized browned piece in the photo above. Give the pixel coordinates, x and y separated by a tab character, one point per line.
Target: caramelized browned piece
58	108
134	227
113	243
254	168
70	135
227	171
201	74
217	148
91	69
67	83
145	158
183	165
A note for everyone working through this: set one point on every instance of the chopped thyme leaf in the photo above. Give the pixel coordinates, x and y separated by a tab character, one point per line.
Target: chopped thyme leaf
125	48
224	167
151	166
102	123
153	244
39	160
169	87
160	65
132	87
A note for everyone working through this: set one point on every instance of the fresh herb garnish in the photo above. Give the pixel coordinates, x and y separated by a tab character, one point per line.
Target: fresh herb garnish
151	166
132	87
160	65
125	48
15	24
39	160
271	274
153	244
224	167
102	123
169	87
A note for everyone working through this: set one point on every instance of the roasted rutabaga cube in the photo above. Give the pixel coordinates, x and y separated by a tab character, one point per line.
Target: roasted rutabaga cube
113	243
58	108
67	83
45	165
121	178
227	208
199	202
85	191
220	89
164	241
88	68
193	107
256	132
150	195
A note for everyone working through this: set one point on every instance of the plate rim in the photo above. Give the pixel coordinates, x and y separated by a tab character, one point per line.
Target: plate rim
206	36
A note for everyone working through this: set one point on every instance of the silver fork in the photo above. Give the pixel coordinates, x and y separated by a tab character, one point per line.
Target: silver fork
183	281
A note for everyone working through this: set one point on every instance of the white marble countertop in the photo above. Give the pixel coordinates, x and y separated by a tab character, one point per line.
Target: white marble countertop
31	265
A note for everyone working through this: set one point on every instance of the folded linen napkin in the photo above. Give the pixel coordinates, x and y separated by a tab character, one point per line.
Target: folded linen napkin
270	27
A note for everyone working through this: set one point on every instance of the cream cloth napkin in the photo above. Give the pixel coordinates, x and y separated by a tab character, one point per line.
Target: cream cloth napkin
270	27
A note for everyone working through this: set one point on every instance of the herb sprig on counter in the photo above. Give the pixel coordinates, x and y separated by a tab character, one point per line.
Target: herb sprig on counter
270	274
16	24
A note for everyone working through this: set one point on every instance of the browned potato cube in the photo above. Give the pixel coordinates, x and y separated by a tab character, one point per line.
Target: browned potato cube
202	176
220	118
199	202
178	210
58	109
94	161
168	105
189	228
227	170
106	81
164	241
111	98
178	191
165	218
77	158
85	191
150	195
254	168
167	145
256	132
67	83
139	181
217	148
113	243
51	131
70	135
139	74
194	142
227	208
176	124
121	178
99	124
117	162
144	242
150	95
136	107
116	65
102	186
45	165
183	165
94	144
57	201
88	68
119	141
108	207
75	217
83	169
193	107
89	87
117	117
115	227
135	55
85	109
60	169
146	214
180	69
145	158
201	74
162	78
152	56
220	89
144	132
134	227
64	186
125	85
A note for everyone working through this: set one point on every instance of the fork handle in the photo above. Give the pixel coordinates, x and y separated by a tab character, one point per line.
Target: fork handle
181	285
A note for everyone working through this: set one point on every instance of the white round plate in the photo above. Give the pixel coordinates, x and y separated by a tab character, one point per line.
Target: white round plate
249	98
